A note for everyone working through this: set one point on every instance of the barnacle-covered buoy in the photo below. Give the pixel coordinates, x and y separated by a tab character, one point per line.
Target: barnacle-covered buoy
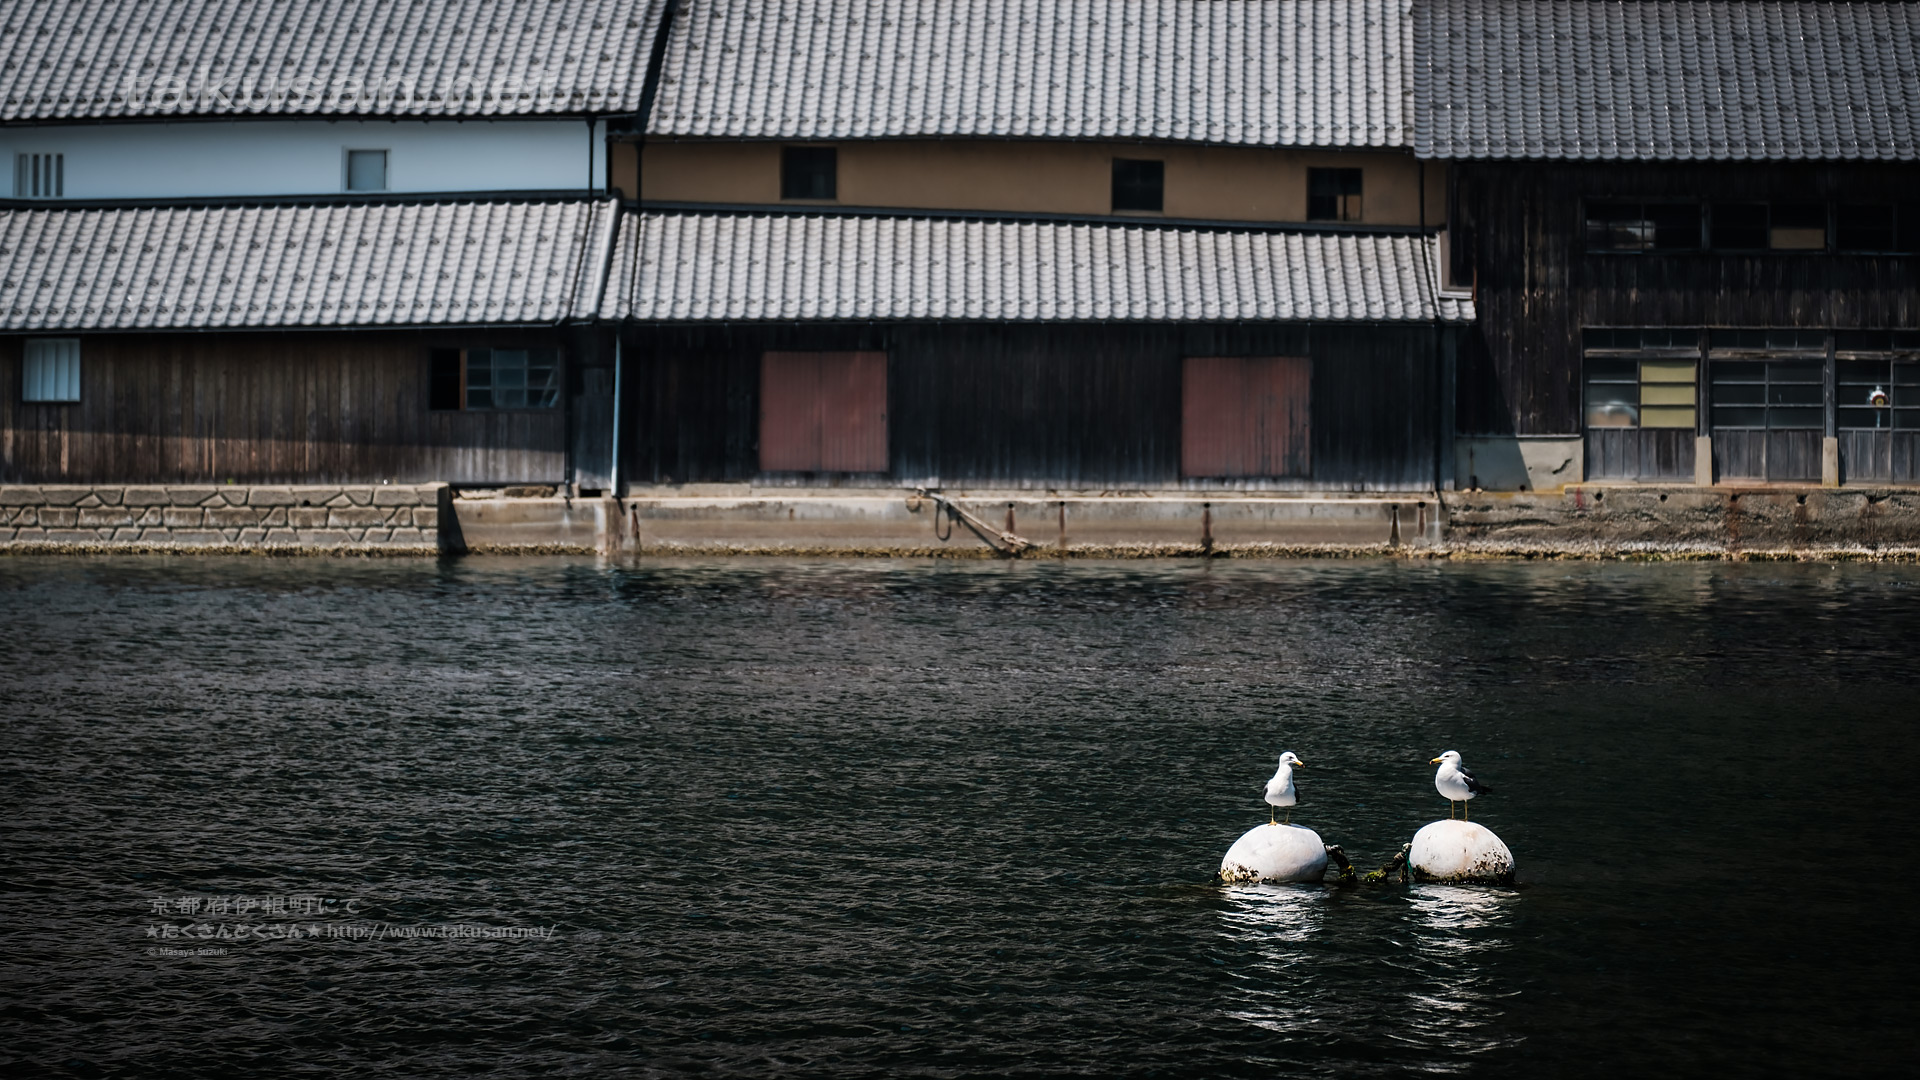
1275	853
1460	851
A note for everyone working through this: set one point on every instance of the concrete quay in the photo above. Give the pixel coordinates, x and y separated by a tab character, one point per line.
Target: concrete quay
1578	521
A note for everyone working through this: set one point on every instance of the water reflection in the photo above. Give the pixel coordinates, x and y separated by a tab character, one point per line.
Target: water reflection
1274	925
1453	995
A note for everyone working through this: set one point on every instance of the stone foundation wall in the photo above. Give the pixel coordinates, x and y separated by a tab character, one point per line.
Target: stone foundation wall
393	518
1621	520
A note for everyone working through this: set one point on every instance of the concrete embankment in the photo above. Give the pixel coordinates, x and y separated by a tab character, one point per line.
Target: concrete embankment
1581	521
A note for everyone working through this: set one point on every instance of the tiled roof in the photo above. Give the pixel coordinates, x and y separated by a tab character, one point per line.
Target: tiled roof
130	58
697	267
1588	79
1246	72
389	264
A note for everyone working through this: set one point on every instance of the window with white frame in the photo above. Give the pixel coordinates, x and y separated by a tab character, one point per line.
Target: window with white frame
39	176
366	170
51	373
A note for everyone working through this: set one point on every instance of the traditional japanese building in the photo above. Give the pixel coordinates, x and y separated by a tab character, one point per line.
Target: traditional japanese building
1692	231
310	241
1097	245
1325	247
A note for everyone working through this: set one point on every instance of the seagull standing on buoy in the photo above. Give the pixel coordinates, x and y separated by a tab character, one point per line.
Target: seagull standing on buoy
1454	782
1280	789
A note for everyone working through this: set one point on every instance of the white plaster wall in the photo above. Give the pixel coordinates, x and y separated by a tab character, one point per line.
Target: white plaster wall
308	157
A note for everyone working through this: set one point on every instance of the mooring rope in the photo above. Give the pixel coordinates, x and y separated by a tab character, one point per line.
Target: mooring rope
1006	543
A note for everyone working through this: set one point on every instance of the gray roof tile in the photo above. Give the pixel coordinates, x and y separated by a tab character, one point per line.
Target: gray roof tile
1660	80
388	264
62	59
700	267
1245	72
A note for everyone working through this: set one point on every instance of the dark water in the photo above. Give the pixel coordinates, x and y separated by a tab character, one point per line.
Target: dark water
867	818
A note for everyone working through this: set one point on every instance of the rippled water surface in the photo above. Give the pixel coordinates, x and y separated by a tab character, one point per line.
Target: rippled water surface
872	818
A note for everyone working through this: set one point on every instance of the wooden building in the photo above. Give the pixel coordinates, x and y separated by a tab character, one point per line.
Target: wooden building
310	240
1100	246
1680	274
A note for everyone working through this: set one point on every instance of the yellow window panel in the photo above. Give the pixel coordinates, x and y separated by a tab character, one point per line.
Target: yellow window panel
1667	371
1666	394
1666	416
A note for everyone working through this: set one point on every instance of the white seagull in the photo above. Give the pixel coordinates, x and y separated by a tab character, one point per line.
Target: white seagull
1455	783
1280	789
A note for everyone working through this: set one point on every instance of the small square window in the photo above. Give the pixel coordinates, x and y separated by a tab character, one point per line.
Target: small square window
1139	185
366	170
1740	226
1864	227
39	176
51	373
1333	194
1798	227
511	379
809	172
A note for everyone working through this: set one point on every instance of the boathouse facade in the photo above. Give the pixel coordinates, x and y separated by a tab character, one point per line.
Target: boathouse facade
1097	245
1692	231
1234	246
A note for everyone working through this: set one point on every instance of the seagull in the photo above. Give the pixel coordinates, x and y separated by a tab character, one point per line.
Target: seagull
1280	789
1455	783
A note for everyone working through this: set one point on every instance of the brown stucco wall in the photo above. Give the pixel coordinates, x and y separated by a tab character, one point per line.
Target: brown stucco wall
1209	182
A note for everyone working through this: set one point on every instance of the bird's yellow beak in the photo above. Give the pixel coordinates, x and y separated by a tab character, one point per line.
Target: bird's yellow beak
1297	761
1434	761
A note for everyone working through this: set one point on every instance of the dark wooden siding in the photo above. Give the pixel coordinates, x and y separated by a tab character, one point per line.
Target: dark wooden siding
269	408
1520	228
1040	405
1640	454
1888	456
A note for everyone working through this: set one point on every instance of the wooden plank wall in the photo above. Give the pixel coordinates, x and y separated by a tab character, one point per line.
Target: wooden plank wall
1536	287
1040	405
269	408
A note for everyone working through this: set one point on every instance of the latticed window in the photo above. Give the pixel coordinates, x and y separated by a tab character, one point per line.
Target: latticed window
1642	378
494	379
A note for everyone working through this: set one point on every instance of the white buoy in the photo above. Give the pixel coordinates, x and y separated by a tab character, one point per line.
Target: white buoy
1276	853
1460	851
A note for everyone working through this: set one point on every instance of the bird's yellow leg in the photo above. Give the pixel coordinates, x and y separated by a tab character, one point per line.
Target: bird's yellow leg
1466	811
1270	820
1289	820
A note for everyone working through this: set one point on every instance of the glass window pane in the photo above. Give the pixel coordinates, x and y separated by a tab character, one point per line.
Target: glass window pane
1737	339
1863	340
1666	416
1610	394
1862	372
1739	394
1796	394
1613	414
1740	226
1796	371
1864	227
1607	369
1724	371
1796	418
1877	419
1676	226
366	170
1738	417
1906	419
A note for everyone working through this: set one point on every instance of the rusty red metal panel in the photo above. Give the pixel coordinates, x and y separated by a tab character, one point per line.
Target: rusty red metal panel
1245	416
823	412
789	411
